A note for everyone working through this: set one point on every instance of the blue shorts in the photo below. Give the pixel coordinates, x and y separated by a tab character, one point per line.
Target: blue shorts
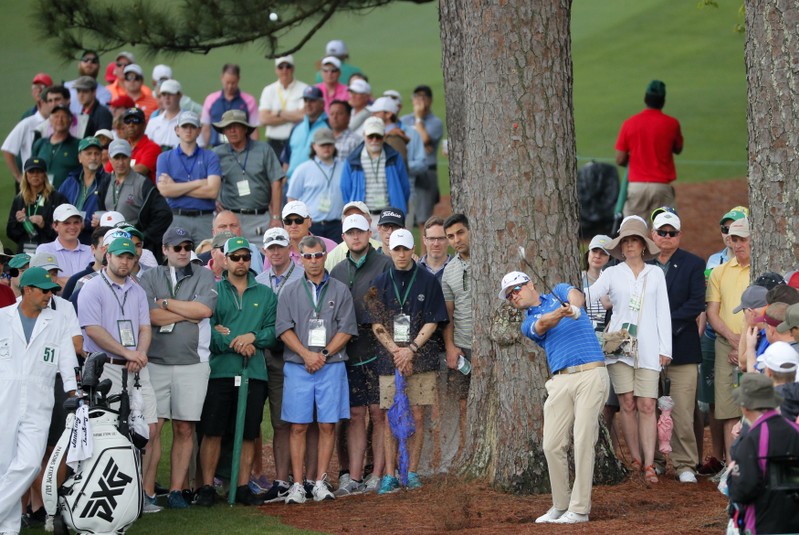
326	390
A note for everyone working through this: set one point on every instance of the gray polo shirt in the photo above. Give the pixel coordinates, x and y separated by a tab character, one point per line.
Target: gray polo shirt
295	310
247	176
189	342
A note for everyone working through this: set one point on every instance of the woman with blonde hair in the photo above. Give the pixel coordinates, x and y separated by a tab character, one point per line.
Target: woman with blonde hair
637	291
30	221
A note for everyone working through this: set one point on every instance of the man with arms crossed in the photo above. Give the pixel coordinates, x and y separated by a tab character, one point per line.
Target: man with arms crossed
576	392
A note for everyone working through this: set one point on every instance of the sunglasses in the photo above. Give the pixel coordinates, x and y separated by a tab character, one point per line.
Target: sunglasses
133	120
284	66
514	291
179	248
374	136
669	233
435	239
330	70
133	77
47	291
122	64
309	256
240	257
90	59
293	221
725	229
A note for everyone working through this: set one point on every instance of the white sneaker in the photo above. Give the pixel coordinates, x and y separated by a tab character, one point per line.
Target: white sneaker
371	483
550	516
687	477
296	494
352	487
320	490
571	518
344	480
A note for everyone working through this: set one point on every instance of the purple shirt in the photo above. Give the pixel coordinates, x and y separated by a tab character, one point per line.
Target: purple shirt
70	261
98	306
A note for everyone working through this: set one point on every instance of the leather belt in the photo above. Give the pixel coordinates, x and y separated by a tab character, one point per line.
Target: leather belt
580	368
249	212
191	213
118	360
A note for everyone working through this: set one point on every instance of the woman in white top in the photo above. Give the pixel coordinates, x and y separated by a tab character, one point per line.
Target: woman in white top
640	302
596	258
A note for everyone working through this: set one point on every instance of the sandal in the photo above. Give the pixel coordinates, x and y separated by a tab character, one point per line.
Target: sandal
650	475
637	466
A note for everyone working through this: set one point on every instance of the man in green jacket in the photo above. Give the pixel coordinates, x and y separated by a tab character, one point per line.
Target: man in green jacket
243	326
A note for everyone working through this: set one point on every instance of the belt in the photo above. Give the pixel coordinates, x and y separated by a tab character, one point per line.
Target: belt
580	368
191	213
328	222
375	212
118	360
249	212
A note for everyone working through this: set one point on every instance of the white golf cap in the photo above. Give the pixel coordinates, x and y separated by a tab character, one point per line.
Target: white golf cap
276	236
359	205
781	357
111	219
332	60
171	87
46	261
285	59
113	234
384	104
134	68
296	207
514	278
360	86
393	94
162	72
355	221
599	242
105	133
401	237
374	125
336	47
666	218
65	211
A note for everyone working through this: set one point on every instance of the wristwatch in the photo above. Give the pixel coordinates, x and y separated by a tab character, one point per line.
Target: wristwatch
275	217
164	303
325	353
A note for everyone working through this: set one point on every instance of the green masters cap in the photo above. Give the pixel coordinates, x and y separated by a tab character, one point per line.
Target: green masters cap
122	245
234	244
87	142
739	212
656	88
19	260
38	278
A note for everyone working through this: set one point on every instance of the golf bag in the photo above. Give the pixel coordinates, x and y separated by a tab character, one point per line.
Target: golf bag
102	493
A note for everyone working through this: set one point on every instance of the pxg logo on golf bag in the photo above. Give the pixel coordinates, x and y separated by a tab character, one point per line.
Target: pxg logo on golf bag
103	502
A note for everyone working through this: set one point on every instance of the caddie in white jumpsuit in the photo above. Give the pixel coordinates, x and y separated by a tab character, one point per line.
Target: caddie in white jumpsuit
35	344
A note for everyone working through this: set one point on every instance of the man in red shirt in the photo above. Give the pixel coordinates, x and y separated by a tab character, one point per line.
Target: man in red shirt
647	142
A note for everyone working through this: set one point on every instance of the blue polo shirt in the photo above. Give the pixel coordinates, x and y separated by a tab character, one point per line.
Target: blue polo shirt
183	168
570	342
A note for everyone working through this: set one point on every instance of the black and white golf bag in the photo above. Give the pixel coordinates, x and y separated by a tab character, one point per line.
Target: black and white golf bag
102	494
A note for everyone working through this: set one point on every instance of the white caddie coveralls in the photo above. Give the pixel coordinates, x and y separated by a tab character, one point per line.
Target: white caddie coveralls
27	379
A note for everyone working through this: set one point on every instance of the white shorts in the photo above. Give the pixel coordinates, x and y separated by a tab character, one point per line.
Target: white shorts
180	390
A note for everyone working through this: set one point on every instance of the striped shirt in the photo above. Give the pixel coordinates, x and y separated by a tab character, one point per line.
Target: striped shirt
374	172
457	287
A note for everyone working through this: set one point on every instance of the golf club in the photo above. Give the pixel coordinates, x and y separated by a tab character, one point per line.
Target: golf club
523	258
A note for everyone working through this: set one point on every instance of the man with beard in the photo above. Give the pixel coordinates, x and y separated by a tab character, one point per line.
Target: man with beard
81	186
89	67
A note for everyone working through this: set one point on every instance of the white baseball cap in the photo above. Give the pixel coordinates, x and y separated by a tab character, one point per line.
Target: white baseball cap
393	94
514	278
384	104
666	218
355	221
43	260
332	60
781	357
111	219
162	72
374	125
113	234
360	86
336	47
599	242
65	211
296	207
276	236
171	87
285	59
360	205
401	237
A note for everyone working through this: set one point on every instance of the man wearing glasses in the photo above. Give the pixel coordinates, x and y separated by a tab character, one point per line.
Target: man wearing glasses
134	87
576	392
686	288
297	222
315	320
331	88
374	173
182	300
189	177
89	65
92	116
281	105
144	153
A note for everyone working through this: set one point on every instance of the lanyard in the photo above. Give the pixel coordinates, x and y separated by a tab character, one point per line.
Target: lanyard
407	290
318	306
283	279
125	300
375	166
37	203
236	157
281	97
194	157
327	177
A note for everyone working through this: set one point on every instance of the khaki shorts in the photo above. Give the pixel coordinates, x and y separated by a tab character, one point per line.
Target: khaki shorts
420	389
725	381
180	390
642	382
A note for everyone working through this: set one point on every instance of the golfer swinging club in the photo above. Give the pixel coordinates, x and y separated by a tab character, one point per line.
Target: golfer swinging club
577	390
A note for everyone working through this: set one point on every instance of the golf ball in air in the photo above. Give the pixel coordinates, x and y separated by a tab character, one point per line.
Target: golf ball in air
273	17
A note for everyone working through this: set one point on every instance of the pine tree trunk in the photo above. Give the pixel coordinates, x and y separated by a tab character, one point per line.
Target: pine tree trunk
508	78
772	57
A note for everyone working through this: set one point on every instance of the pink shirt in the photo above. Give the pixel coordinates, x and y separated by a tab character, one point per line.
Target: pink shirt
341	93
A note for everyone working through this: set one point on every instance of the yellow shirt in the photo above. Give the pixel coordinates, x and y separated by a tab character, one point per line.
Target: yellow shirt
726	285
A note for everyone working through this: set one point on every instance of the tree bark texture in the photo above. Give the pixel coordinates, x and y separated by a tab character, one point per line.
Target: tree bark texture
772	71
508	81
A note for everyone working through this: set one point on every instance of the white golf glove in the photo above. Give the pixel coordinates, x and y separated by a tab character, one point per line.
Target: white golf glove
575	312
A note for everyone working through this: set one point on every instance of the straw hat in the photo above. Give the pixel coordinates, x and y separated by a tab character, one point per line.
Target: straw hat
633	227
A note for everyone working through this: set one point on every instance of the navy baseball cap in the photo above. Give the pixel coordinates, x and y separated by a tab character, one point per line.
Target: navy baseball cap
312	93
